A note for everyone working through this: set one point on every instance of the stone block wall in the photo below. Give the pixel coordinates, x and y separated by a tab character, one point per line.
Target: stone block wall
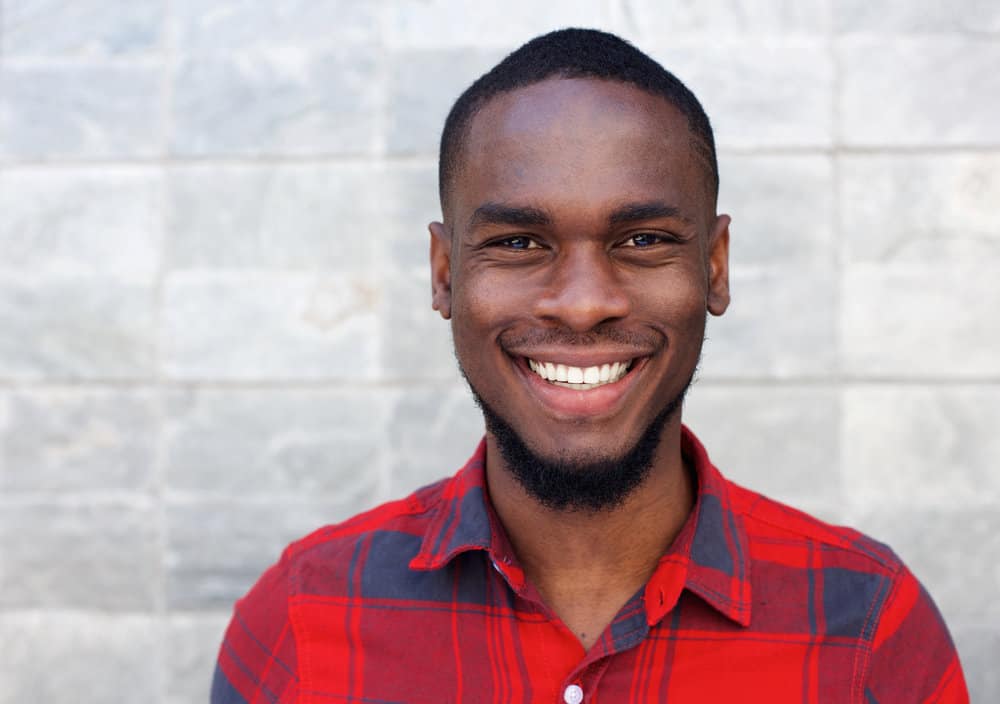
215	330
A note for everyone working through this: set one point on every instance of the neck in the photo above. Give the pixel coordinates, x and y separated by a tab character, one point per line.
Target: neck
595	560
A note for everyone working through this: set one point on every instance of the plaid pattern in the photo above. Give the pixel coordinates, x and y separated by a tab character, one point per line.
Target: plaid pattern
422	600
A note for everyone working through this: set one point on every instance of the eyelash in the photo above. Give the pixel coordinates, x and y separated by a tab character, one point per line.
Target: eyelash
630	242
656	237
507	243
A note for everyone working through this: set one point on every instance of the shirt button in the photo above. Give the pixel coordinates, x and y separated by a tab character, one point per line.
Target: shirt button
573	694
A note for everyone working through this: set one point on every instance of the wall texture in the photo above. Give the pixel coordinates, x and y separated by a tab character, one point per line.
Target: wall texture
215	331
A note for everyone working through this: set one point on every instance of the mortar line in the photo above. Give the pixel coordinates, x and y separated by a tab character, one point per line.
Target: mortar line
836	228
158	485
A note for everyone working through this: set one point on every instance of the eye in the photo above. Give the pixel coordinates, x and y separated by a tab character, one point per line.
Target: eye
517	242
644	239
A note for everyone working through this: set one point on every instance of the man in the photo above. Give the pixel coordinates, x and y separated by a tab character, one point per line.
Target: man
588	551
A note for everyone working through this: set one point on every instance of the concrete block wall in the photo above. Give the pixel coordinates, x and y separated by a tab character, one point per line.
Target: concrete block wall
215	331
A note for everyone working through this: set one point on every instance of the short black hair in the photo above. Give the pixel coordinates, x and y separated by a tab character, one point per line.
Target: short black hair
572	53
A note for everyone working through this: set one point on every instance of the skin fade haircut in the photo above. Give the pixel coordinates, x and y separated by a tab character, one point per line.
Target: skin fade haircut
575	483
573	53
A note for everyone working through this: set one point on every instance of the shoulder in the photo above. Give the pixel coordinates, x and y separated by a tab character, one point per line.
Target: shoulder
832	581
260	648
856	587
782	542
786	534
327	554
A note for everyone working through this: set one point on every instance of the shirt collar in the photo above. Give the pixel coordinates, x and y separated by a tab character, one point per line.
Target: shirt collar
709	557
464	518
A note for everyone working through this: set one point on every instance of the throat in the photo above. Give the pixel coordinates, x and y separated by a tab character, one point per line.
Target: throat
587	611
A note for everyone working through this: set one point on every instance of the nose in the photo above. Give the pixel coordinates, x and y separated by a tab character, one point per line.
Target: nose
583	290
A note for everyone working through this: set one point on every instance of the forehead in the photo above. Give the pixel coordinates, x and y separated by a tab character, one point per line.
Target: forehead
579	143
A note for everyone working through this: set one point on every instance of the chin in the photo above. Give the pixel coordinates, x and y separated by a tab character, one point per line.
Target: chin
583	456
587	478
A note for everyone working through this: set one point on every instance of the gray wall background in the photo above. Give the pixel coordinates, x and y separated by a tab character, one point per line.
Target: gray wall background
215	331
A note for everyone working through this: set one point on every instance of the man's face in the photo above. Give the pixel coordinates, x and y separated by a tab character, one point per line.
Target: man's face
580	253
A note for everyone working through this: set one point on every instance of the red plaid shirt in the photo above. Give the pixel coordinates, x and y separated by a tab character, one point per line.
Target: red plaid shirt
422	600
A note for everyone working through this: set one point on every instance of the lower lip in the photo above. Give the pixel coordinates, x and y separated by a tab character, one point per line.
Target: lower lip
598	401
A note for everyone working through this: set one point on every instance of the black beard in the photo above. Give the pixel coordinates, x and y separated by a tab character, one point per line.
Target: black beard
573	484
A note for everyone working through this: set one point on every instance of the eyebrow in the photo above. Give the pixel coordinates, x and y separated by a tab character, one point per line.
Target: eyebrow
528	216
499	214
633	212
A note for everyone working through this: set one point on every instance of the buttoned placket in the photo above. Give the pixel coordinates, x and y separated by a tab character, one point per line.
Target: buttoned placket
585	678
584	681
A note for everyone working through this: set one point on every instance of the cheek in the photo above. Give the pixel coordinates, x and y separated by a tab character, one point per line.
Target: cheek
492	297
480	309
676	302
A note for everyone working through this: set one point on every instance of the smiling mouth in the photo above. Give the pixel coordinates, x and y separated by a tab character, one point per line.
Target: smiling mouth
580	378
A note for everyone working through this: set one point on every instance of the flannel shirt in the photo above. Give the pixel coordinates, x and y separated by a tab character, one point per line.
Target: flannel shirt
422	600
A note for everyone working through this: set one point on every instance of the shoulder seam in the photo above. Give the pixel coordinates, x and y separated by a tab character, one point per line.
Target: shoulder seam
892	567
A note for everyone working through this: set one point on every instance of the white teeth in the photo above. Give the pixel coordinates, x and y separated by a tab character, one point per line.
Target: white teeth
579	378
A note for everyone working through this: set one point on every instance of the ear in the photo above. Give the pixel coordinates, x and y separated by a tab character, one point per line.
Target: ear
440	269
718	266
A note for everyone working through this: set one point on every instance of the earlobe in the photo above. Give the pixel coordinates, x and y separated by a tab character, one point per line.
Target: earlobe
718	266
440	269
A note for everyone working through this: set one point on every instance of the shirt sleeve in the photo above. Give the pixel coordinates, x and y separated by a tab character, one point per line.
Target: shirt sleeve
257	661
913	658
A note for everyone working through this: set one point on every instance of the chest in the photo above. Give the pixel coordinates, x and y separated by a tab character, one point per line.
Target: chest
507	652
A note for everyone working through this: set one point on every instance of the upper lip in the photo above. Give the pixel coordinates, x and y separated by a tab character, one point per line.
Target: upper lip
577	357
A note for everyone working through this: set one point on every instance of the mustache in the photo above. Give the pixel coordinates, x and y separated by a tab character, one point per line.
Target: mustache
562	337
